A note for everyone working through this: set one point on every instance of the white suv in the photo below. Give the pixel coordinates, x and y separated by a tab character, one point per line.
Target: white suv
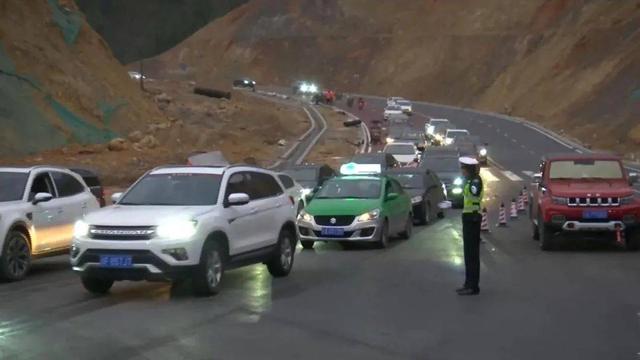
188	222
38	207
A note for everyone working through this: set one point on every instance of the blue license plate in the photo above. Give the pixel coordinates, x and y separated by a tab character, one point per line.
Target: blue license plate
595	214
116	261
332	231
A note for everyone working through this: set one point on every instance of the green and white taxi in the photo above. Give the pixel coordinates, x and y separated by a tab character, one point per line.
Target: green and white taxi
360	205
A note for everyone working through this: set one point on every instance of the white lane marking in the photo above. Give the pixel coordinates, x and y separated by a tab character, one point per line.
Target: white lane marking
522	146
552	137
528	173
488	176
514	140
511	176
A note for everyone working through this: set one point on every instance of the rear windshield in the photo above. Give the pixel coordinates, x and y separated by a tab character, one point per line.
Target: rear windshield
409	180
585	169
443	164
400	149
350	189
12	185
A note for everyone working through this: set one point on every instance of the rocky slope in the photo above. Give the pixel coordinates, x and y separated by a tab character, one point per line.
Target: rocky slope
569	64
59	82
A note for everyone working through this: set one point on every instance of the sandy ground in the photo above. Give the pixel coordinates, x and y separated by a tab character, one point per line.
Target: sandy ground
245	129
338	144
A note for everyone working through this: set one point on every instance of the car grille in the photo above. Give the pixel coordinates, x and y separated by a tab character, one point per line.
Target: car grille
121	232
593	201
347	234
340	220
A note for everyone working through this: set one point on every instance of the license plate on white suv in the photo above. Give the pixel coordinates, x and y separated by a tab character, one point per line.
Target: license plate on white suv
116	261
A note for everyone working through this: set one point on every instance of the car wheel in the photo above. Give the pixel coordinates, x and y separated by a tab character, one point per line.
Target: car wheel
426	215
209	272
307	244
282	262
632	242
383	242
15	261
545	234
408	228
96	285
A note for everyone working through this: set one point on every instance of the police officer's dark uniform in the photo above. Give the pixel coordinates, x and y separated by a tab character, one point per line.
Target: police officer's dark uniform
471	219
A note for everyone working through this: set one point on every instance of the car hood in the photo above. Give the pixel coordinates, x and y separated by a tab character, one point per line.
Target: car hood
342	206
602	188
130	215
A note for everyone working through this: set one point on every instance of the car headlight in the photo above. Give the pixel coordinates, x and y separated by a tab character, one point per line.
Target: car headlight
416	199
305	216
313	88
80	229
559	200
439	137
177	229
304	87
368	216
389	140
306	191
456	191
457	181
430	130
483	152
448	141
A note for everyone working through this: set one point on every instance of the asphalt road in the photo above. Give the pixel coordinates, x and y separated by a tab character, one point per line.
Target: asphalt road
399	303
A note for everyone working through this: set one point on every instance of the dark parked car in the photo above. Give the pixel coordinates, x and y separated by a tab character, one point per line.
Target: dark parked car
386	161
245	83
92	180
415	136
310	176
447	167
426	191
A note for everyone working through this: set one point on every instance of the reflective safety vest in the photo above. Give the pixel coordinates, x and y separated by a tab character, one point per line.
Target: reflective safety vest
472	203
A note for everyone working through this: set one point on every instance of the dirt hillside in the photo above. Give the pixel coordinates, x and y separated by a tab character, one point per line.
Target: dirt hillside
570	64
59	82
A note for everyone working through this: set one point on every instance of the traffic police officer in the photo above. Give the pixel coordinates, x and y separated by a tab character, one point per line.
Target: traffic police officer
471	219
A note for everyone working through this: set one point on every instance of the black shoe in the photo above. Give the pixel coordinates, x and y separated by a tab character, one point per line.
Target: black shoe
467	292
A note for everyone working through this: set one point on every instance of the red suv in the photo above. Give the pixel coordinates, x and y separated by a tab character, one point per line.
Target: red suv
585	194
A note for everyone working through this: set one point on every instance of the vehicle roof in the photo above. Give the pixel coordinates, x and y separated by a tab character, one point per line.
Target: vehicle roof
458	130
359	177
401	143
439	120
581	156
440	150
26	169
188	170
403	101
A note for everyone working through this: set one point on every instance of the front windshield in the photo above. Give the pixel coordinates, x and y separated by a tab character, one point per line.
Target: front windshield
400	149
444	164
12	185
300	175
178	189
410	181
585	169
350	189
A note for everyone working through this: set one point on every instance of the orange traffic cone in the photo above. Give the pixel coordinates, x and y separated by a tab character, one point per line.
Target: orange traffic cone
502	218
484	225
514	210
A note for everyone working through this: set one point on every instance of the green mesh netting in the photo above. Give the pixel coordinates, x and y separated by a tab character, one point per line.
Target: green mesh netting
20	119
67	20
108	110
82	131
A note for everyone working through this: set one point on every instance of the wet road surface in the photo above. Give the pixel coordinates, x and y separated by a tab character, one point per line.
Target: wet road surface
579	303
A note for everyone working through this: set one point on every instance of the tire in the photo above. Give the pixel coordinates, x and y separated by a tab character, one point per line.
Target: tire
440	214
547	242
424	215
408	228
383	242
535	231
96	285
307	244
632	242
282	262
15	260
207	277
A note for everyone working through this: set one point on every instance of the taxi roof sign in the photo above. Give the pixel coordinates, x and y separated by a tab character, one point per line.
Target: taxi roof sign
360	169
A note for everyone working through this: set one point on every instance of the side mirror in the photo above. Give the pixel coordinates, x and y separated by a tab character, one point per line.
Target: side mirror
238	199
537	178
633	177
41	197
391	196
115	197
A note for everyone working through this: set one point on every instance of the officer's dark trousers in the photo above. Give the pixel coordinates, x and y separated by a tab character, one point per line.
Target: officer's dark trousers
471	239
